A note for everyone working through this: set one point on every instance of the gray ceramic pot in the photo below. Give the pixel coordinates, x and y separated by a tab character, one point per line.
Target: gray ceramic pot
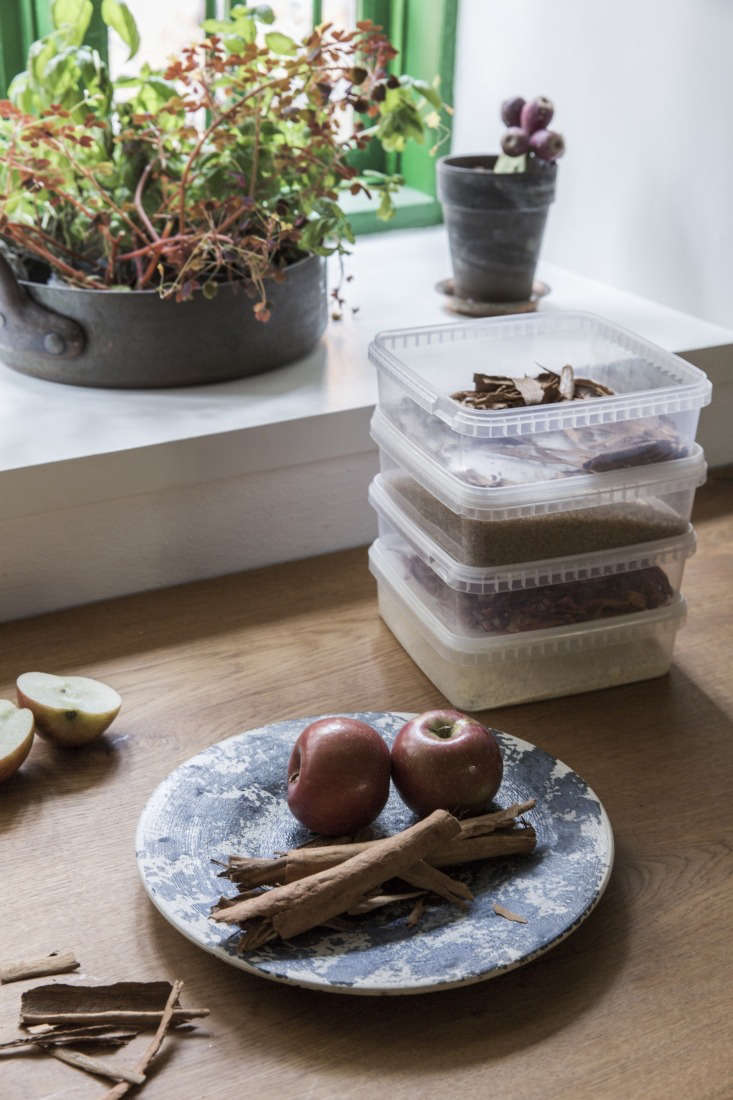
136	340
495	225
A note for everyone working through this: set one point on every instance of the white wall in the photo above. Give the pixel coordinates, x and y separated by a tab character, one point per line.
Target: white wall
644	95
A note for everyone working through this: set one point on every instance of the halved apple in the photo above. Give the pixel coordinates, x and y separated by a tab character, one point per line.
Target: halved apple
16	737
70	710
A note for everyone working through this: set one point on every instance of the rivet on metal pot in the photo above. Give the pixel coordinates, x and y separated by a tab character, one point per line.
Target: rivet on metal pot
54	344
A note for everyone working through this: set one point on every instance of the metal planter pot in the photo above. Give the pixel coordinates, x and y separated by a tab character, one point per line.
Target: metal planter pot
136	340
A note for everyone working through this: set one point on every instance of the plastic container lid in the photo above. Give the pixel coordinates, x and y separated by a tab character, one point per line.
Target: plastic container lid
488	580
472	649
540	497
427	364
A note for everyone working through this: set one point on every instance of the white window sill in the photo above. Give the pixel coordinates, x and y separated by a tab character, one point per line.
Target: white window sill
393	287
67	448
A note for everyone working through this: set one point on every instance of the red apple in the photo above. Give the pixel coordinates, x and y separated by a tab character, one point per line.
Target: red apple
338	776
444	760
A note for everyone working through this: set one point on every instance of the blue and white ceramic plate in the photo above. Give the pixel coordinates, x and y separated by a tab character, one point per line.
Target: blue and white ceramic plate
231	799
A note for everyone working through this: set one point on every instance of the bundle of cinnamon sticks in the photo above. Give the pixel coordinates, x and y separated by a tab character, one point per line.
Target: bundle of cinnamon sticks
312	886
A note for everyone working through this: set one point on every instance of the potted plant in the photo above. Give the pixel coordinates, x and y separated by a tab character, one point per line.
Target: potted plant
170	227
495	207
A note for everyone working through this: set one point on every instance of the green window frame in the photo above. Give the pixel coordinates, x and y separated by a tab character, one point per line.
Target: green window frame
23	21
424	33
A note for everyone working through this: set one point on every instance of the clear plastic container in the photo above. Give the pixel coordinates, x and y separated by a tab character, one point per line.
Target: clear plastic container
483	673
536	595
652	415
510	524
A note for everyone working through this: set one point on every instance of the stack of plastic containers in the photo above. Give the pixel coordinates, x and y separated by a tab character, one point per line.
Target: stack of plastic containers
537	551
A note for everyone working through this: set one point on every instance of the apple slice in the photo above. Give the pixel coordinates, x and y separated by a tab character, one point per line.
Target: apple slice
16	737
70	710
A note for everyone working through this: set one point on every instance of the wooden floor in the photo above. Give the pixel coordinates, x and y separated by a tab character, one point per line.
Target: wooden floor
636	1004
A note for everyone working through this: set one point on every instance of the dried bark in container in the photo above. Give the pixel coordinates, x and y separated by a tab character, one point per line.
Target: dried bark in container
495	391
593	448
550	605
636	450
567	383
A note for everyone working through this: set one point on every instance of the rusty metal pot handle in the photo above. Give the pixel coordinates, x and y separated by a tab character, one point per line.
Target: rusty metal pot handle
27	326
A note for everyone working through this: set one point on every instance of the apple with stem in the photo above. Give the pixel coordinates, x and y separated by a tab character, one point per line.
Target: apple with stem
445	760
70	710
338	776
16	737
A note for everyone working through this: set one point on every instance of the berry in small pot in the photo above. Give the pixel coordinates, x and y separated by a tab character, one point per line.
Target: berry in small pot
547	144
515	142
537	114
511	111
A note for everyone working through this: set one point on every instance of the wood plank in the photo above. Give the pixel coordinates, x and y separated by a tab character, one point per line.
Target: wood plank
636	1003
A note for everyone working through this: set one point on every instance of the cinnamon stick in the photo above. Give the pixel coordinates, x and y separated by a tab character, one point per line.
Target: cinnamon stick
157	1041
416	913
139	1020
137	1004
100	1035
425	877
507	914
378	901
518	842
302	862
499	819
288	910
93	1065
58	962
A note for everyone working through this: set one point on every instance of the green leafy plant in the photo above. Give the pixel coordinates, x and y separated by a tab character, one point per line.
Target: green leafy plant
227	165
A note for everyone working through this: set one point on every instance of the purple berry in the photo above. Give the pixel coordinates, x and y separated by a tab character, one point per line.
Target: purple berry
547	144
515	142
537	114
511	110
